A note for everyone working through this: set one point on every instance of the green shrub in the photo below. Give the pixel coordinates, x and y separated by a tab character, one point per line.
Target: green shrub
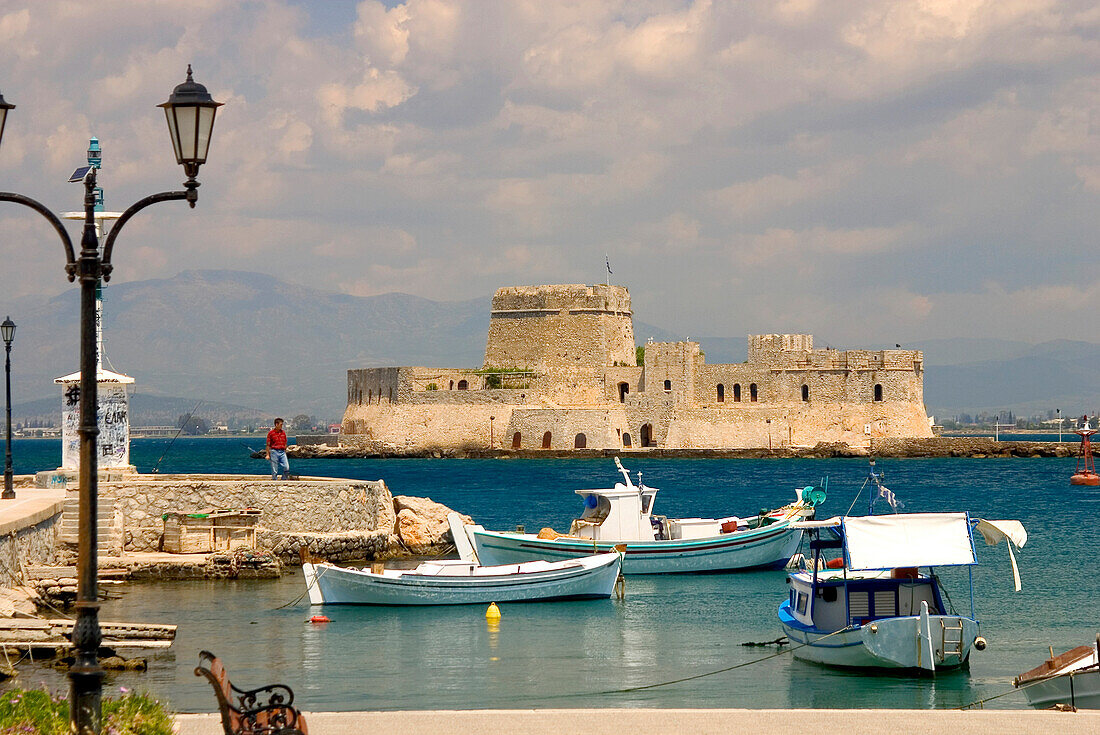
30	711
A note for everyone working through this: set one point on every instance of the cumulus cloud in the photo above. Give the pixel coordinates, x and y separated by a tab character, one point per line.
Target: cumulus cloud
851	168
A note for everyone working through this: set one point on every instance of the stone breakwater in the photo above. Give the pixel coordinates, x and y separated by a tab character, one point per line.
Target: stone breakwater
977	447
333	518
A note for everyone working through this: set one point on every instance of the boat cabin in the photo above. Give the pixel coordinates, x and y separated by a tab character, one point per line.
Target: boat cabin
877	576
837	599
621	514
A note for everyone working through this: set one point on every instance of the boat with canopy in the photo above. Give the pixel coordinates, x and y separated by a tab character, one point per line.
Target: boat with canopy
879	604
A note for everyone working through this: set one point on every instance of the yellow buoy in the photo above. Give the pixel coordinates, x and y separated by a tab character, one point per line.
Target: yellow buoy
493	613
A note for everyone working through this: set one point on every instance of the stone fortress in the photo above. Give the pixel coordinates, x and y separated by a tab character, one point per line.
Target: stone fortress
562	372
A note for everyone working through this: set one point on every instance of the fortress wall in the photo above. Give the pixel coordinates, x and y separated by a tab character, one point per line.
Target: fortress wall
632	376
602	428
405	427
373	385
563	326
675	362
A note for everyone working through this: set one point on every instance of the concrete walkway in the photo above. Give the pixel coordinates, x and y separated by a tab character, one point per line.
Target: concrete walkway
683	722
31	505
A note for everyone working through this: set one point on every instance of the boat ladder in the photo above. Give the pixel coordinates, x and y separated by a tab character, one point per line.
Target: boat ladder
951	644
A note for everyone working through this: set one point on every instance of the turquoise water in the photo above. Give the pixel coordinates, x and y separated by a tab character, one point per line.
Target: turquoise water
583	654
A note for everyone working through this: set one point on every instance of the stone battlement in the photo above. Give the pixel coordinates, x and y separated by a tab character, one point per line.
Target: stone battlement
568	297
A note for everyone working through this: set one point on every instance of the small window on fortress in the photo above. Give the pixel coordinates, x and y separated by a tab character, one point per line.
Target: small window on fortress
462	385
580	442
721	393
516	440
647	436
878	391
626	440
624	388
370	397
668	385
736	392
391	395
546	440
806	393
752	392
452	386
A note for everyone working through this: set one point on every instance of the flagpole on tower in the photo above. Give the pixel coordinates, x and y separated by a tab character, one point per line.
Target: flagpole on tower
607	261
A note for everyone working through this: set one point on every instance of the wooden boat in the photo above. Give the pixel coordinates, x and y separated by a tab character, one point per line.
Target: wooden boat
458	582
1070	679
879	610
656	544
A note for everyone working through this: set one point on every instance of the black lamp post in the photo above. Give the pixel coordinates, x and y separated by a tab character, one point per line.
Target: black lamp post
190	112
7	331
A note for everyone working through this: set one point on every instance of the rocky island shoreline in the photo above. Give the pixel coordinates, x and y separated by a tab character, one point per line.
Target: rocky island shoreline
329	447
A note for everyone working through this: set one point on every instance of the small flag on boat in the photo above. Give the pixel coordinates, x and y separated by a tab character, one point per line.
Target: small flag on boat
892	500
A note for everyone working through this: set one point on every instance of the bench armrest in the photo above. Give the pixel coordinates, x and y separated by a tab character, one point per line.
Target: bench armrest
269	696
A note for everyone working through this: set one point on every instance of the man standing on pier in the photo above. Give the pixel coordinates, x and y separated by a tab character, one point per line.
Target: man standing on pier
276	451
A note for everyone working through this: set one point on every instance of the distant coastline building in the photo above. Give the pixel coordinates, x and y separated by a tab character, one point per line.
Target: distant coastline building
562	371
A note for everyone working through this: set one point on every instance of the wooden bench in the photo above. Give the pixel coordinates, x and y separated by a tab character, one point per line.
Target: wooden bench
268	710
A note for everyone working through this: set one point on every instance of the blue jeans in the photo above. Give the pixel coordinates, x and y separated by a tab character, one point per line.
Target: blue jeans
278	461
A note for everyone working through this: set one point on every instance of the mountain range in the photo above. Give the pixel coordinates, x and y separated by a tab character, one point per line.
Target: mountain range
253	343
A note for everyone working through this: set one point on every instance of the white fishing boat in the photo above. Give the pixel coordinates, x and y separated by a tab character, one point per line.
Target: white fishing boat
656	544
1069	679
874	607
458	582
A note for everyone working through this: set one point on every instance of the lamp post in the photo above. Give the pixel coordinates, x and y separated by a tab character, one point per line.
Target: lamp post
7	331
190	112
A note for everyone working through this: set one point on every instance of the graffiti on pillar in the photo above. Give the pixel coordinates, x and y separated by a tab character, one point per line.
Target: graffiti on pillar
113	444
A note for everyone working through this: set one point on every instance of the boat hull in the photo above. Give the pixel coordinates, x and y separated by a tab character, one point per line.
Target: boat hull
888	643
1080	689
769	547
330	585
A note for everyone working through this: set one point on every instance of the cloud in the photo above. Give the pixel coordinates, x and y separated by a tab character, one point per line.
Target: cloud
756	166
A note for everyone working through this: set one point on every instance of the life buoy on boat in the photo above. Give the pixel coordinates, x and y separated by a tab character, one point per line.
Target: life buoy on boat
837	563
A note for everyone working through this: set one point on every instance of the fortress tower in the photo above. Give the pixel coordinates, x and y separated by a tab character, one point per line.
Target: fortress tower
560	328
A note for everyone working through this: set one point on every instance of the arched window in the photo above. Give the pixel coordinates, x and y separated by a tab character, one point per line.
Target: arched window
624	388
805	393
580	442
546	440
451	386
462	385
391	395
626	440
752	392
647	436
736	392
370	397
721	393
668	385
878	391
515	440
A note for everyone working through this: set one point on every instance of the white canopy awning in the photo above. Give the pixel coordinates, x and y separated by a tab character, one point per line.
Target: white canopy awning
908	540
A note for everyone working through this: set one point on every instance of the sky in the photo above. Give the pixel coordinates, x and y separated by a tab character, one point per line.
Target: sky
870	172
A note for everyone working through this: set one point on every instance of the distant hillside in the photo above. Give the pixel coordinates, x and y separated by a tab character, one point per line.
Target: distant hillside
148	410
252	343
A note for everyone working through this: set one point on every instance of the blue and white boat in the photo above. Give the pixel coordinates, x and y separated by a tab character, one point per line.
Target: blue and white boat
874	607
458	582
656	544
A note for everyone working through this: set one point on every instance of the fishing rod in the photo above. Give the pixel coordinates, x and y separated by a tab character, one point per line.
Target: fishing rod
156	467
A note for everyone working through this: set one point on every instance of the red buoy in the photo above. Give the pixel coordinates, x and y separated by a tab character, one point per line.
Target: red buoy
319	619
1085	474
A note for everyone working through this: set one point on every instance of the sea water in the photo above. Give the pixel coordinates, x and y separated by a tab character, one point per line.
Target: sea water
674	641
